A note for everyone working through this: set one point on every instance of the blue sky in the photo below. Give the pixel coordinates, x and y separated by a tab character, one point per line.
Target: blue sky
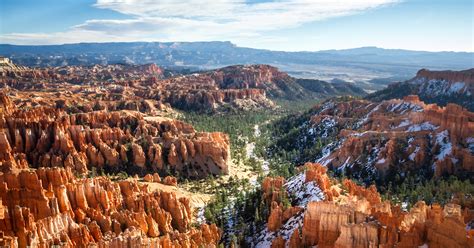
291	25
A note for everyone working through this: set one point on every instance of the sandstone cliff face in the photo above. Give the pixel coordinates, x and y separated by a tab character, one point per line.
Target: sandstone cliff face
50	206
374	138
445	82
273	195
144	88
114	141
243	87
355	216
439	87
46	153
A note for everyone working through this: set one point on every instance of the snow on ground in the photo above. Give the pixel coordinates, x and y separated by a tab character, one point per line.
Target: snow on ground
457	87
321	130
403	107
405	206
422	127
266	237
326	106
250	152
256	131
404	123
302	193
200	218
366	118
435	87
327	150
443	140
413	154
470	143
328	123
346	163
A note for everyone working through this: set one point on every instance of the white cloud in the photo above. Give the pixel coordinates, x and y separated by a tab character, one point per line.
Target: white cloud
192	20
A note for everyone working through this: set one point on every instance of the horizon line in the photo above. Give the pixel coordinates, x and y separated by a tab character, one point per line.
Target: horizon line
237	46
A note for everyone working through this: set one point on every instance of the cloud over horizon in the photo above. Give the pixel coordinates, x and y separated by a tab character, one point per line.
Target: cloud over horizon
194	20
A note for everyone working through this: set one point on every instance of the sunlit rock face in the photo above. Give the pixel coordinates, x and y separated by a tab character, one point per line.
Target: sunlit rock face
146	89
114	141
51	193
50	206
377	140
349	215
445	82
439	87
60	125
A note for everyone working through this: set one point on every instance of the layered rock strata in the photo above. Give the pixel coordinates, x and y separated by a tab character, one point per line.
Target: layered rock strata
142	88
107	141
378	139
357	217
52	207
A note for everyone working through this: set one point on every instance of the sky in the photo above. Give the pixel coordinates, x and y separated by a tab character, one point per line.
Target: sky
287	25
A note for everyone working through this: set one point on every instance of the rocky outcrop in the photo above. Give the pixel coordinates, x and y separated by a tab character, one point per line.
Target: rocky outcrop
240	87
357	217
466	76
50	206
111	141
440	87
315	172
169	180
394	135
273	190
52	195
143	88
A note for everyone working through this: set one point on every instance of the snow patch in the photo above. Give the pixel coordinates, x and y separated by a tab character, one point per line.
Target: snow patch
366	118
425	126
435	87
381	161
470	143
256	131
326	106
404	123
403	107
302	193
442	139
413	154
457	87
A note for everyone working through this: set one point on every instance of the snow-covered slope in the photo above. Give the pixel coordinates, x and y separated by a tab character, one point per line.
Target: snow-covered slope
372	141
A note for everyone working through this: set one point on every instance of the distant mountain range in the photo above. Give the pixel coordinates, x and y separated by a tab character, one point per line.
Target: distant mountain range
370	67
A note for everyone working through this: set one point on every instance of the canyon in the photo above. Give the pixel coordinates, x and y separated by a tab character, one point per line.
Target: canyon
149	124
376	140
50	206
101	155
347	215
153	90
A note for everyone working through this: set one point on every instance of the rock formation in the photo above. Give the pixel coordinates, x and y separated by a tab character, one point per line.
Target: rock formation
375	138
51	206
151	90
356	216
110	141
55	143
143	88
466	76
440	87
